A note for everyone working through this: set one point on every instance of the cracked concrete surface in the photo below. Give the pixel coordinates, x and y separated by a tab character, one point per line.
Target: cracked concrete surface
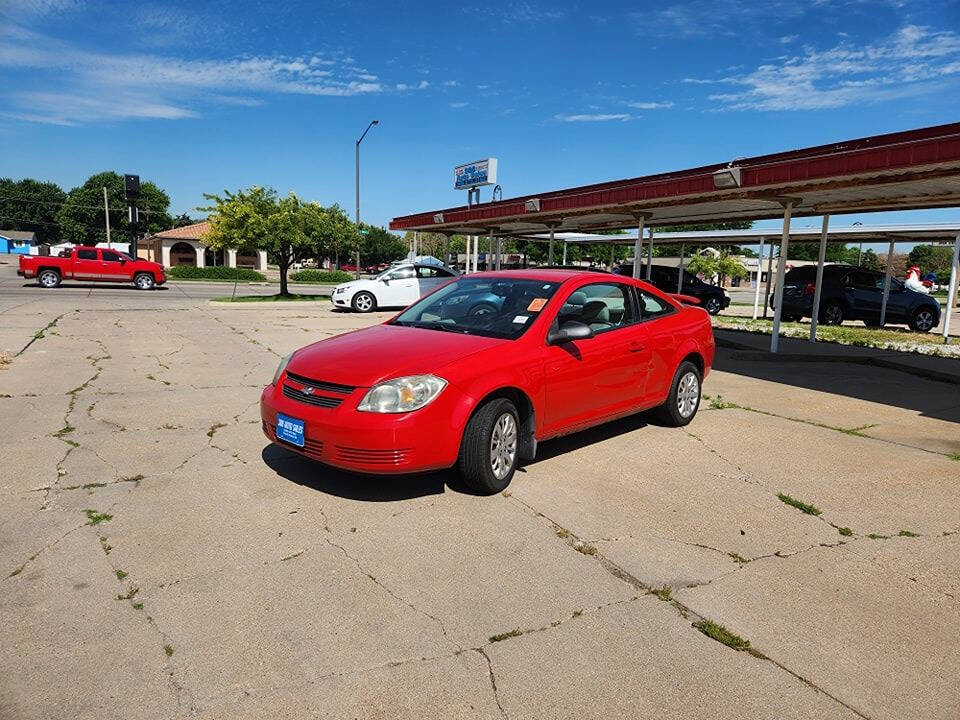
237	580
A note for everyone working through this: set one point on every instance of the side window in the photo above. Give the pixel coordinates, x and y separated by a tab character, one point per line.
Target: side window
86	254
602	306
651	306
109	256
427	272
402	273
862	280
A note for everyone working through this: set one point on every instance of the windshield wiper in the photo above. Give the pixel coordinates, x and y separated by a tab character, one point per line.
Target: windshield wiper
440	326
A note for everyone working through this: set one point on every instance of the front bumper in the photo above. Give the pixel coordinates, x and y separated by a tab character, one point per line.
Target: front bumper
426	439
342	300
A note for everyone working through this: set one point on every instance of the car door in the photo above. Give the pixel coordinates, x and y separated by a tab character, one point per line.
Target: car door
400	288
112	266
86	264
429	278
865	294
588	380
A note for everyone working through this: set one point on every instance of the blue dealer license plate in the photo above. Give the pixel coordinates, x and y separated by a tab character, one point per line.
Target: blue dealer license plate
290	430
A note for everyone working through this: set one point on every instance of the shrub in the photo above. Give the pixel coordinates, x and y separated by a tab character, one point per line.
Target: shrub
220	272
321	276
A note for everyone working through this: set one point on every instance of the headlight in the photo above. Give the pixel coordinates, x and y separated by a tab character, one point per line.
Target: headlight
339	290
280	368
402	394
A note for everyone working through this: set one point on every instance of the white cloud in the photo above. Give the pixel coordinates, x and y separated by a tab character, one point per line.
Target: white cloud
598	117
909	63
450	83
665	105
459	104
88	83
787	39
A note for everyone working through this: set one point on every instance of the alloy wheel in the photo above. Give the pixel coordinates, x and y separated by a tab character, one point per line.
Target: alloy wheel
924	320
48	279
144	282
364	302
503	445
688	394
833	315
713	306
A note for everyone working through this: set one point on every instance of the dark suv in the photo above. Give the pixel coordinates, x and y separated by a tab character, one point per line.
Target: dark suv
713	299
852	293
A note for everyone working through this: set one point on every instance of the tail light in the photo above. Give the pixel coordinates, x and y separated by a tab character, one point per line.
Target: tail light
809	289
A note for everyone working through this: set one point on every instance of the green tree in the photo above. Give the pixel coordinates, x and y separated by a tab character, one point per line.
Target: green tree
81	216
183	219
379	246
706	265
257	218
935	259
31	205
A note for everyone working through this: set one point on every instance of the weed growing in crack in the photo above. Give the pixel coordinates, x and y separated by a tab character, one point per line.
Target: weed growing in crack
129	595
291	557
105	545
517	632
121	574
586	549
718	632
64	431
907	533
798	504
954	456
577	613
738	558
138	606
665	593
133	478
563	533
213	429
168	426
168	649
845	531
878	536
95	518
718	403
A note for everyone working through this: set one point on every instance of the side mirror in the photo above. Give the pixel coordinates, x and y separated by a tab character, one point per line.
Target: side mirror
385	280
570	330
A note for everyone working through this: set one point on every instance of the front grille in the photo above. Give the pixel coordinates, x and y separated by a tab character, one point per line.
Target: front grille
316	400
372	457
311	448
321	385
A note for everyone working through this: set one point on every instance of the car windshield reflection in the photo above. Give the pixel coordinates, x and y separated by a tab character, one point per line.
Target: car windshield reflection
491	307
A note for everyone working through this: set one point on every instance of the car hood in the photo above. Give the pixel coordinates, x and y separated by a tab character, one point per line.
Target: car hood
365	357
357	285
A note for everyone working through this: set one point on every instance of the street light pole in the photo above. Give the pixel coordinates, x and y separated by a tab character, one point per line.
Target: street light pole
357	155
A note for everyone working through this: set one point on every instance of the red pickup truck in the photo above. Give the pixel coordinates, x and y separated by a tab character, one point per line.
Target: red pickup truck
92	264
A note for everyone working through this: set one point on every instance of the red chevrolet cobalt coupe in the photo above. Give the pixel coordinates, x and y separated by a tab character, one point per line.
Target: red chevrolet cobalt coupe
481	370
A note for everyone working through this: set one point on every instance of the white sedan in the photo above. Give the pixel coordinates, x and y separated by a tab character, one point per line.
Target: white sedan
398	286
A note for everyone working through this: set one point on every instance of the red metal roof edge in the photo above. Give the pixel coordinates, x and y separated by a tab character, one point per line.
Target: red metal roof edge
515	206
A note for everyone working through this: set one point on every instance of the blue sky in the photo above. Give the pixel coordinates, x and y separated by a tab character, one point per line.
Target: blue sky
202	96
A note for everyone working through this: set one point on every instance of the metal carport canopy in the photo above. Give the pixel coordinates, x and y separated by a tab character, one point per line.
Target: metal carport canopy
898	171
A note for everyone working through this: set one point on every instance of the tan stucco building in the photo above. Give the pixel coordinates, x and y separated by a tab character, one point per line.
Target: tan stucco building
185	246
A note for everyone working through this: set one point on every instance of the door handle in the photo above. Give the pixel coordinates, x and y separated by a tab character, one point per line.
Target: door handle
636	346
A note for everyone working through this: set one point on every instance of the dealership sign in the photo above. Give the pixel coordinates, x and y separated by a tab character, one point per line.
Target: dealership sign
475	174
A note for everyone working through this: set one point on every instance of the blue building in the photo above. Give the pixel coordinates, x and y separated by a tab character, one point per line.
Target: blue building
18	242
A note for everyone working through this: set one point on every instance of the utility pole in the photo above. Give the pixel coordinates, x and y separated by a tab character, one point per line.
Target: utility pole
106	213
357	157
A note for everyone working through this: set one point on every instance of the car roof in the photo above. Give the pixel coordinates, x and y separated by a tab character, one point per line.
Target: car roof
544	274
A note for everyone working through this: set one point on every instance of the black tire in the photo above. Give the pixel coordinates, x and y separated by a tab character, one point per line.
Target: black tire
671	413
476	462
832	314
789	317
144	281
713	305
922	320
363	302
48	279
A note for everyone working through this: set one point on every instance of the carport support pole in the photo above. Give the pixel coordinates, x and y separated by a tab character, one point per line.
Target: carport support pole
781	271
886	284
564	253
650	256
613	250
756	292
680	272
636	248
819	282
766	296
476	253
466	265
952	292
550	248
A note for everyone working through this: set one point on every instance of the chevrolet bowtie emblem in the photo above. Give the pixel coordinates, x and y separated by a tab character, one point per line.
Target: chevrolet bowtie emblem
307	390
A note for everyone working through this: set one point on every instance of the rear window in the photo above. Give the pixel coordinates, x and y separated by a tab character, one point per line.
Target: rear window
86	254
808	273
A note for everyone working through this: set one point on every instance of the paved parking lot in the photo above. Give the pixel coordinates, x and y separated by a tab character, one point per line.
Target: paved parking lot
159	559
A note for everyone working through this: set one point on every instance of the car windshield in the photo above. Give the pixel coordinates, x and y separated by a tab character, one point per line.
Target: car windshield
492	307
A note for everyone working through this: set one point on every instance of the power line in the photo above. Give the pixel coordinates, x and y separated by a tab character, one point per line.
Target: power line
14	198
